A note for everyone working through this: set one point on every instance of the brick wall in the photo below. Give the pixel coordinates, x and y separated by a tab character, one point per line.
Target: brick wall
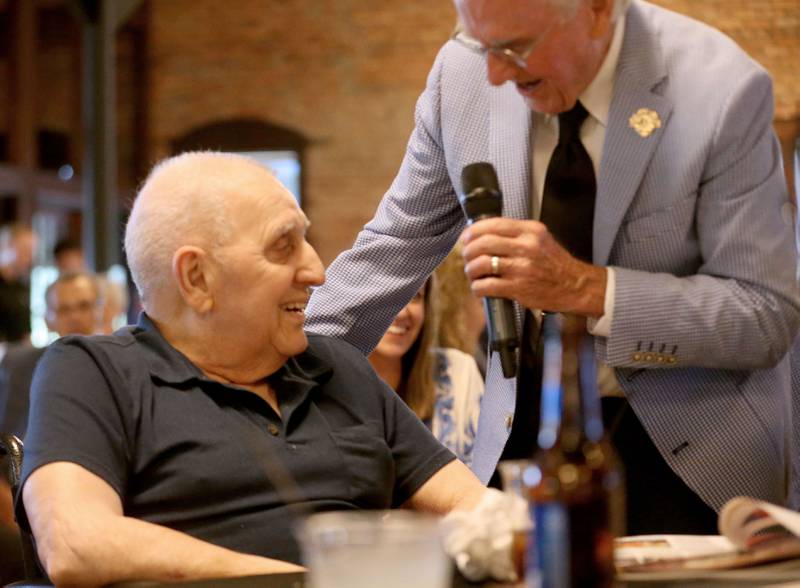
347	74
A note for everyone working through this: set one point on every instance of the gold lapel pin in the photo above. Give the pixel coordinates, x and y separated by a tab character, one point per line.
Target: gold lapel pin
644	121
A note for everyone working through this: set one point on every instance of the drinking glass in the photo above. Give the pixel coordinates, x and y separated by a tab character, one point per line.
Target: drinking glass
365	549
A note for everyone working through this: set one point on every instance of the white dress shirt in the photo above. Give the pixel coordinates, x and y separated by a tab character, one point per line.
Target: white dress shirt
597	101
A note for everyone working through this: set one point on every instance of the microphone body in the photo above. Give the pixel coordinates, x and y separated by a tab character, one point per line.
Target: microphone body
482	199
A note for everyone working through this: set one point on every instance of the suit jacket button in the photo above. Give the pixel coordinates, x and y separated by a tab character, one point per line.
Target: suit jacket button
273	430
672	359
637	356
648	357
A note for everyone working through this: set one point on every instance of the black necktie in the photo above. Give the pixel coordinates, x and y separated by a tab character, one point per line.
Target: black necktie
569	188
568	213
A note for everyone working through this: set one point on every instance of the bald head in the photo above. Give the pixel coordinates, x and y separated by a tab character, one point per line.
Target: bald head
186	200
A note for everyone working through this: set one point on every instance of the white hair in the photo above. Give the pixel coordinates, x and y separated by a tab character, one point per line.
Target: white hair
182	202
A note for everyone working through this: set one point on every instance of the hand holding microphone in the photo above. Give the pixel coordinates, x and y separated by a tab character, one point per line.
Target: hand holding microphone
481	198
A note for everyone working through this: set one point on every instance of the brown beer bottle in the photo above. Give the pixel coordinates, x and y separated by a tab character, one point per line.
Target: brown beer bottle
575	484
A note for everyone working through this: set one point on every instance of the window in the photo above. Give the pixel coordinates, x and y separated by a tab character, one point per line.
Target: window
279	148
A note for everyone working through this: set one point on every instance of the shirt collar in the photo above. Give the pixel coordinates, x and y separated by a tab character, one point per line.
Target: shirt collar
597	97
164	361
171	366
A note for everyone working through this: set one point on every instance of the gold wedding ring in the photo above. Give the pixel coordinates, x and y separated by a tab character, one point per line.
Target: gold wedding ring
495	265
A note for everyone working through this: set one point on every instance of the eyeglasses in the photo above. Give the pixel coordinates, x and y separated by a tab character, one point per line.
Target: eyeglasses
83	306
518	57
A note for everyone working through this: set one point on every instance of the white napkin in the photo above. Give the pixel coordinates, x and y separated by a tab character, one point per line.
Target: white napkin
480	540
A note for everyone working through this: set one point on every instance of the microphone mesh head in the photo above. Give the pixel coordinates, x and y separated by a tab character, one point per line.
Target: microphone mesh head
481	192
479	175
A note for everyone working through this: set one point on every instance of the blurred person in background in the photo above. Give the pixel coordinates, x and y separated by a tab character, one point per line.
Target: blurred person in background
74	304
72	309
68	256
442	385
17	249
462	322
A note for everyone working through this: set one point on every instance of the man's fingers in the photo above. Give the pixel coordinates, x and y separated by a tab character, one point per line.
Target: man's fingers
504	227
488	245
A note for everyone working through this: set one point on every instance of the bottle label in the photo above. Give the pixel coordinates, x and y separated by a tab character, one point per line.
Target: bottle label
551	566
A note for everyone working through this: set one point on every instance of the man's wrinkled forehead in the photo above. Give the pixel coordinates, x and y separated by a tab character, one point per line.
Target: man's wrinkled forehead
272	205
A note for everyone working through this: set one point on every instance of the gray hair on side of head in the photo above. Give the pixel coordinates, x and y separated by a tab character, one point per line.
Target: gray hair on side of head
182	202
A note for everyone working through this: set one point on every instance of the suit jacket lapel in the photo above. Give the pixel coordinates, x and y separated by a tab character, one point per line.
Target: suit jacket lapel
510	148
510	152
626	154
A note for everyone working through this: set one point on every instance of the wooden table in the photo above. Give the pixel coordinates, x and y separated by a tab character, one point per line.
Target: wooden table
752	578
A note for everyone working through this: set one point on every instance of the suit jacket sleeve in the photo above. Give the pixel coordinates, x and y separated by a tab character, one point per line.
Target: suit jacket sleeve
414	228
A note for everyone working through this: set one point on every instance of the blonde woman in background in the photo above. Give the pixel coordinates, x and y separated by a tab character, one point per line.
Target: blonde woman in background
462	322
442	385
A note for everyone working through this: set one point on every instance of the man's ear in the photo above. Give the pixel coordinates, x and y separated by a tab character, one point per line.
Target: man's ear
191	268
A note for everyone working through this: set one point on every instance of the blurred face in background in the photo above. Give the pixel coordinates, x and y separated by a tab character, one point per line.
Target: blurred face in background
17	253
72	307
70	260
404	330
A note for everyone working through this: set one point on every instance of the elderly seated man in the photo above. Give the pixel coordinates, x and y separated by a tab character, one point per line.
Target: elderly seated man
185	446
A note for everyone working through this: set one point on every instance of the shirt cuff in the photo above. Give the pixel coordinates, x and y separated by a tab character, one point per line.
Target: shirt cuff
602	327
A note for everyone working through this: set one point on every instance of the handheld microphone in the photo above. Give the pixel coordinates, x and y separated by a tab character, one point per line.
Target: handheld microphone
482	199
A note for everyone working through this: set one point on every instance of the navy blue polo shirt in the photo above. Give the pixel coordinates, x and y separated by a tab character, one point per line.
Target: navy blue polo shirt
216	461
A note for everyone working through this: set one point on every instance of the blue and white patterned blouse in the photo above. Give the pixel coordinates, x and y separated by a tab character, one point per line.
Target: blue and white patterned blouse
459	389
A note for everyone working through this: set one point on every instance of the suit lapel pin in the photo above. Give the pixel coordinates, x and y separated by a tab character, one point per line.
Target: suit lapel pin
644	121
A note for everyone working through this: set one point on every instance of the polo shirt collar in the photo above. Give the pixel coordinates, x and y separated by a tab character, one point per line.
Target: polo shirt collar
169	365
164	361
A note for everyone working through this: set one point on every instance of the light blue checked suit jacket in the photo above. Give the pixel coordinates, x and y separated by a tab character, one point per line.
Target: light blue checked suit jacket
695	219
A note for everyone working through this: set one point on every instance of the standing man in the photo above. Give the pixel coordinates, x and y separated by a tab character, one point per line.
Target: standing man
643	189
17	248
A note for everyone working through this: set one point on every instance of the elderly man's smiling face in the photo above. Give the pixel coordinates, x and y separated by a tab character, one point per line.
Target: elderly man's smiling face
566	47
265	272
